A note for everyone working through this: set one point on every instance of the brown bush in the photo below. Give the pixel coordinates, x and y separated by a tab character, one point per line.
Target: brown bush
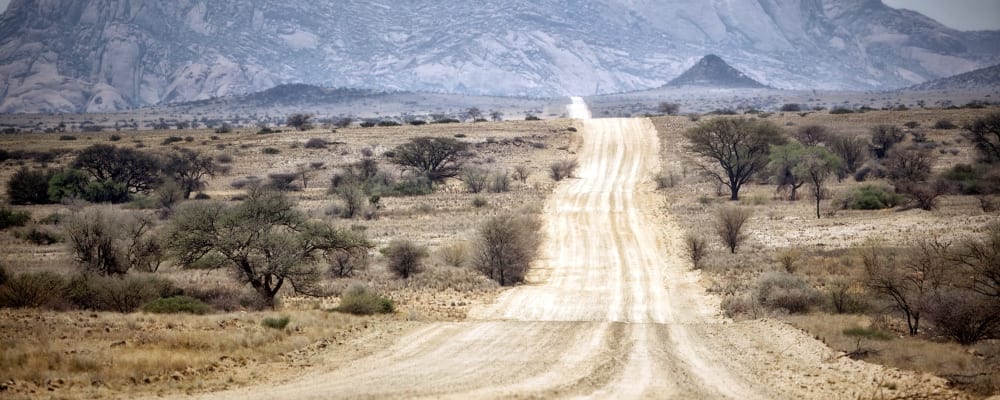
32	289
507	245
781	290
965	316
696	248
729	226
406	258
560	170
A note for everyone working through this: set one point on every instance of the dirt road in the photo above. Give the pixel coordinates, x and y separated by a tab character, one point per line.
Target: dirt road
611	311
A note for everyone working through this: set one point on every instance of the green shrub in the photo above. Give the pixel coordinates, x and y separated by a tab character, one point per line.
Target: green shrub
871	197
278	323
106	192
115	138
33	289
67	137
67	184
841	110
177	305
781	290
360	300
10	218
270	151
28	187
172	139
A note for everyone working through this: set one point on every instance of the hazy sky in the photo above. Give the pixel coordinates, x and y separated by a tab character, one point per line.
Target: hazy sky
964	15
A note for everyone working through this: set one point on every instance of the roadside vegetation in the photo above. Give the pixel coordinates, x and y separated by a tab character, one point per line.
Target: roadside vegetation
893	256
199	257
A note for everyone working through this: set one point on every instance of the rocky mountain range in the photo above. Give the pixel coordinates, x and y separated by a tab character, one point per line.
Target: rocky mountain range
712	71
983	78
104	55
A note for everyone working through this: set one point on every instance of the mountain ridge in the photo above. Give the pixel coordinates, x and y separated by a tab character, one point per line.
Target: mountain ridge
713	71
105	55
982	78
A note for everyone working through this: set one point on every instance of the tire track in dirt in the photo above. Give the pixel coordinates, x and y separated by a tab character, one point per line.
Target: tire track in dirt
610	311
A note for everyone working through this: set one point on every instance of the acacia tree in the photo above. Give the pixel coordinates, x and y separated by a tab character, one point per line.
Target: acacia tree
784	159
668	108
436	158
474	113
299	121
188	168
814	167
739	146
137	171
984	133
264	239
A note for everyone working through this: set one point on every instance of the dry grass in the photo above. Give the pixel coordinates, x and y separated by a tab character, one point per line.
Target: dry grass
972	369
783	233
85	355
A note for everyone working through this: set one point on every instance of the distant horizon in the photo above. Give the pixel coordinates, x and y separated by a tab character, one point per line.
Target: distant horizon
963	15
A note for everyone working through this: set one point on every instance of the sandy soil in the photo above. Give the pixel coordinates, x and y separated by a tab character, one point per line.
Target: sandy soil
610	311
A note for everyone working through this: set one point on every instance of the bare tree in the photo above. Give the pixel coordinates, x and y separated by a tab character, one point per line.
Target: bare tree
981	258
851	150
110	243
909	170
739	146
909	165
475	179
496	116
910	283
984	133
729	225
507	245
